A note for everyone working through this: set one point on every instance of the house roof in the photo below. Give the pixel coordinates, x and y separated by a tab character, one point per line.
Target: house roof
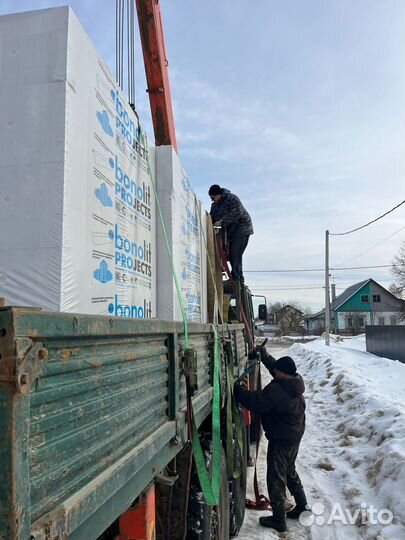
343	297
348	293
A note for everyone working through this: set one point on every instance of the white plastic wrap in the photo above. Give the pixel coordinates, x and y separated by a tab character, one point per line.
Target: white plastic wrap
76	206
181	211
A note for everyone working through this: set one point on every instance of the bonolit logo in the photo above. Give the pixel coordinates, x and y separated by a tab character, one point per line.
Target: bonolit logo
338	514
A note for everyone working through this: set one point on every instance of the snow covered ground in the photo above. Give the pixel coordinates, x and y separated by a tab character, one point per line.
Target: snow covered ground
287	340
352	455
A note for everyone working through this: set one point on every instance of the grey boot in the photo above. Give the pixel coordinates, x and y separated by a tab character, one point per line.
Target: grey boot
301	505
276	521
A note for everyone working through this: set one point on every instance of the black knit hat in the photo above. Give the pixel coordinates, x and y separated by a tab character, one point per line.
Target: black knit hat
286	364
215	189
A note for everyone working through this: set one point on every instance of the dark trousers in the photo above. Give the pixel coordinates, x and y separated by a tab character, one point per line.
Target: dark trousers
281	473
237	245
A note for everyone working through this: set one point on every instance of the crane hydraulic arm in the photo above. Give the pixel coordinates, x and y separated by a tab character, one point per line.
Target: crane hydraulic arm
157	75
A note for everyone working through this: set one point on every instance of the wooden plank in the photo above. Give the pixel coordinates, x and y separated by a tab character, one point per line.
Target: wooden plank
214	277
225	306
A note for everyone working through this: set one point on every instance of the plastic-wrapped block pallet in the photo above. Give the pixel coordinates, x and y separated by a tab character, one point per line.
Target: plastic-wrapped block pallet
77	210
186	224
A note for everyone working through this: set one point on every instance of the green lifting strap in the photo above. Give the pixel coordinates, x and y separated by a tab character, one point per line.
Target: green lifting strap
233	426
209	485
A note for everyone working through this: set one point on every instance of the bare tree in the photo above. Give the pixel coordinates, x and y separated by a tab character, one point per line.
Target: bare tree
398	270
275	306
289	316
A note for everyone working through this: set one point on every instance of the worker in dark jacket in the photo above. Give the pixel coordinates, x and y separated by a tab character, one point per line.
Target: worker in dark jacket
228	211
281	405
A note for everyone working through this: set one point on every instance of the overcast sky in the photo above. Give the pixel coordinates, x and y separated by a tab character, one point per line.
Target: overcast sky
298	107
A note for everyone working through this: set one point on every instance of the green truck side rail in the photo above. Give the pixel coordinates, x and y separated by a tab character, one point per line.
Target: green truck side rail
91	409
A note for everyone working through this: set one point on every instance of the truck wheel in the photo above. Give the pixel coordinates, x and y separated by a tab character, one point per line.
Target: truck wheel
208	522
238	485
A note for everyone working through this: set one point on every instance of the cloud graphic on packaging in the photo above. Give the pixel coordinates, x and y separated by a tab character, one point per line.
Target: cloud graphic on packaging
102	195
102	273
104	120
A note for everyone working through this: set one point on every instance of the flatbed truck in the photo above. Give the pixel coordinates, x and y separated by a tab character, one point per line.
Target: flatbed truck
96	411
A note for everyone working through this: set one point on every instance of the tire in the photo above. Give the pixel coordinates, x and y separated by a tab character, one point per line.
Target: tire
238	485
208	522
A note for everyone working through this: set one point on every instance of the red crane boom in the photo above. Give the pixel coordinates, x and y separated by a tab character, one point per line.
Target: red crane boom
157	75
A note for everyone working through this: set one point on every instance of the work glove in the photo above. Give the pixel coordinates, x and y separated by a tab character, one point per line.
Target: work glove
236	390
244	383
217	227
261	349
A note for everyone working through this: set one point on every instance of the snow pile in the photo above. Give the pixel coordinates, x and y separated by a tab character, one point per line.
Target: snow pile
290	339
355	437
351	458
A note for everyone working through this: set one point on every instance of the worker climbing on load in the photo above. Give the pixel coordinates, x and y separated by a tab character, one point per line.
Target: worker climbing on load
281	405
228	212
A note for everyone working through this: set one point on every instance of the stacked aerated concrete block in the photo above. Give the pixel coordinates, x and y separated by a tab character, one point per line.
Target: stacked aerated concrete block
77	205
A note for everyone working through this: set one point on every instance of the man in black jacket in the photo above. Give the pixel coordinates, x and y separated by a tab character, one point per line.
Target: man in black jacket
281	405
227	210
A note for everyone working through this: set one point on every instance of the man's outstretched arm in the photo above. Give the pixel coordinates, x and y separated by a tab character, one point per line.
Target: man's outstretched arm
267	359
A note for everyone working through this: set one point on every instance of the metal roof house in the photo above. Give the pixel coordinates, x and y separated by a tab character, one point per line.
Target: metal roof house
361	304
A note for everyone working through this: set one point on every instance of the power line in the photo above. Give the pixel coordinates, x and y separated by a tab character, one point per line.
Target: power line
370	222
288	288
292	287
282	271
314	269
361	267
372	247
288	285
316	287
275	287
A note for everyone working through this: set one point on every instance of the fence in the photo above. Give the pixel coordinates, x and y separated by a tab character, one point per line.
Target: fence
386	341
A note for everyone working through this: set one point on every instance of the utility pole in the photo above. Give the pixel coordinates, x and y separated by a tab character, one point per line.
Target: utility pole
327	299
